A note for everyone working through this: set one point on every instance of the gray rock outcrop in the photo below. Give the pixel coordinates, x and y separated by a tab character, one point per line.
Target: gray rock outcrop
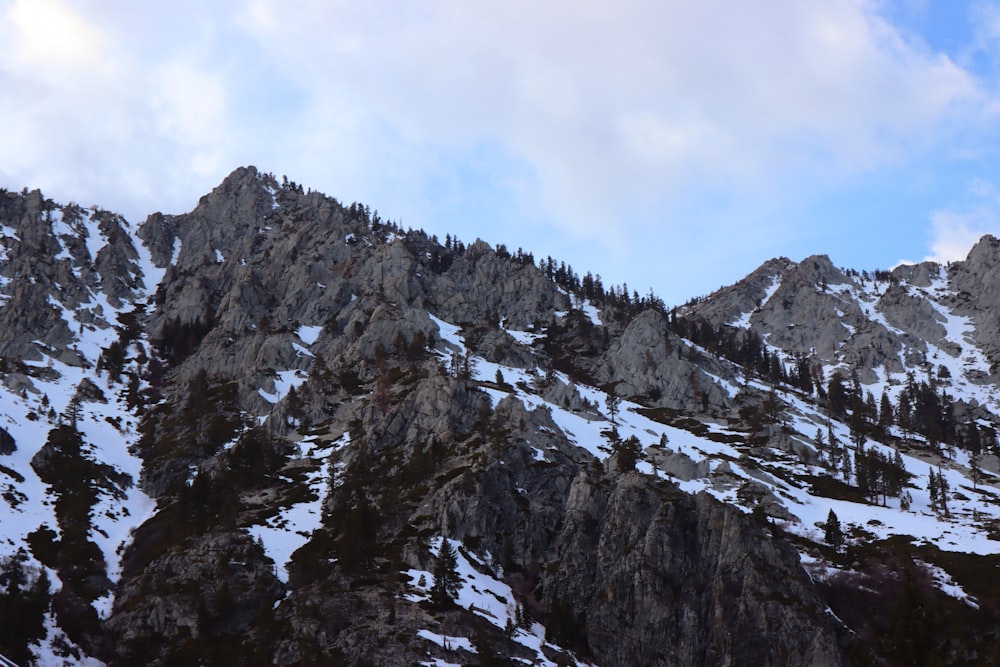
7	443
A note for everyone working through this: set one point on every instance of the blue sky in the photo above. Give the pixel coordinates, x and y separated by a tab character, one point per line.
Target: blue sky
670	145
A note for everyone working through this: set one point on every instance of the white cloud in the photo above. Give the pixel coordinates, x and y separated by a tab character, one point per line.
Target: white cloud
190	108
49	34
953	233
102	115
637	100
605	120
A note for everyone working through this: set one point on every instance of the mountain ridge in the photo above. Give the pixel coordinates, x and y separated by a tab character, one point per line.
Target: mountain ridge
271	413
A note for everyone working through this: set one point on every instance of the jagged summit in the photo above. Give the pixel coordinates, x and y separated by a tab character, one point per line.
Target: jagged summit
281	430
897	321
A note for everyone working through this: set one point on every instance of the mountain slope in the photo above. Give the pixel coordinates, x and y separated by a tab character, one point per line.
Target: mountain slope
243	435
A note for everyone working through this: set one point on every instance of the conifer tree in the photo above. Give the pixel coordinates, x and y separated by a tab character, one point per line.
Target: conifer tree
885	414
933	490
627	451
943	489
975	470
832	532
447	581
613	401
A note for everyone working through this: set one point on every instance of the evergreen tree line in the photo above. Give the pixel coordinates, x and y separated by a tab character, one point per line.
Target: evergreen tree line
874	473
938	488
923	408
747	349
878	474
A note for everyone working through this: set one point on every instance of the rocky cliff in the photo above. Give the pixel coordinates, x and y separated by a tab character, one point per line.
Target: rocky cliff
281	430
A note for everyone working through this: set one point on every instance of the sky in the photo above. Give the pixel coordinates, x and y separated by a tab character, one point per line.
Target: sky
670	145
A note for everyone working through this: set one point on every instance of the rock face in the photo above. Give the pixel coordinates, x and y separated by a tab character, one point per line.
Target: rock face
218	585
429	454
647	361
673	562
258	422
896	321
669	563
7	444
51	263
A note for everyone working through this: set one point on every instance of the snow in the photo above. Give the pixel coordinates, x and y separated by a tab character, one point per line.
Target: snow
437	662
966	529
91	341
589	430
522	337
284	381
151	274
970	361
177	251
301	351
449	333
947	585
483	594
113	519
590	310
283	534
30	433
108	430
64	254
111	430
743	321
56	647
446	642
60	227
960	331
309	334
94	238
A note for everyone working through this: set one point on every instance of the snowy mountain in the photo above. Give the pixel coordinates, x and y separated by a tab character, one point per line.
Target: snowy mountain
280	430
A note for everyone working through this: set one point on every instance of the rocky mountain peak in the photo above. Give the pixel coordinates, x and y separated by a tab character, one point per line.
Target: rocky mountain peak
984	256
818	269
278	429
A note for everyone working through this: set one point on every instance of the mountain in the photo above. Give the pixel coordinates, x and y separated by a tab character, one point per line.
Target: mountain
279	430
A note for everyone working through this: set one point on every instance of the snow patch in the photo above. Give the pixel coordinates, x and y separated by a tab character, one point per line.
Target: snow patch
282	384
309	335
487	597
283	534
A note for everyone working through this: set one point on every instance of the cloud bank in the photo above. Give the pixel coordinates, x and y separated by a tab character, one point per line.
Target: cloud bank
595	122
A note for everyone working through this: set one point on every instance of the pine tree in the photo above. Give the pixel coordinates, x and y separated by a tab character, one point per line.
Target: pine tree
832	532
847	465
905	500
523	618
885	414
627	451
943	489
613	401
975	470
447	581
836	394
24	600
933	490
